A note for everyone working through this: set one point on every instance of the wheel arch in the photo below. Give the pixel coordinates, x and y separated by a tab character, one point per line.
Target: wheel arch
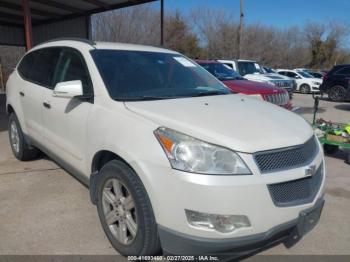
99	159
10	109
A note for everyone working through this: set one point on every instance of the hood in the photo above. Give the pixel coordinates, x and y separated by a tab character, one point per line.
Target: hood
251	87
275	76
235	121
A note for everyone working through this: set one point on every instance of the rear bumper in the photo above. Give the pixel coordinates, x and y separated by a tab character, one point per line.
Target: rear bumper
287	233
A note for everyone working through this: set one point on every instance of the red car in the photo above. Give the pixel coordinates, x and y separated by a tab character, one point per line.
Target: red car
238	84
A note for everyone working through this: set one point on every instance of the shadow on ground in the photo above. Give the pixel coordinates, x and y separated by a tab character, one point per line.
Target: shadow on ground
310	110
3	116
341	154
344	107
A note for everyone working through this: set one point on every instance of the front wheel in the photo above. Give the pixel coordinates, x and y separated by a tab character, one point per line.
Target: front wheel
337	93
19	145
305	89
125	211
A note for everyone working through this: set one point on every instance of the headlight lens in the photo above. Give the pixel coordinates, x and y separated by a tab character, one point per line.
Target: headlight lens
271	83
316	83
192	155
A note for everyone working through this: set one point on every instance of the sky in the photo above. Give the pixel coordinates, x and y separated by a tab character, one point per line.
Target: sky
279	13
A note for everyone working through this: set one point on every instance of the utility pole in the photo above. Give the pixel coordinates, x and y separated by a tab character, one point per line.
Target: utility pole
161	22
240	29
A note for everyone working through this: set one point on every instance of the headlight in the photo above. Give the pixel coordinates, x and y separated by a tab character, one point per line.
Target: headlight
316	83
271	83
192	155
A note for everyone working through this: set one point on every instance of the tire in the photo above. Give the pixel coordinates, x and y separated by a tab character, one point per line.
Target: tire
305	89
337	93
123	214
348	159
330	149
19	145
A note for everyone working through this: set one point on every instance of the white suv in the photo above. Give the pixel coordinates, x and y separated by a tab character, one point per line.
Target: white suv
173	159
306	83
252	71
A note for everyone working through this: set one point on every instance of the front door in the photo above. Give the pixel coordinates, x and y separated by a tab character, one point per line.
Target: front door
65	119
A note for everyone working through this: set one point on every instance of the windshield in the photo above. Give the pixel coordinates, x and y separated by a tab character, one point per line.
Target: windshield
221	71
245	67
269	70
139	75
305	74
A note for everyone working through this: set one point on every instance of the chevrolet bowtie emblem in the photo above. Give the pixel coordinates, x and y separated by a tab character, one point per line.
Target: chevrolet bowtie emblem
310	170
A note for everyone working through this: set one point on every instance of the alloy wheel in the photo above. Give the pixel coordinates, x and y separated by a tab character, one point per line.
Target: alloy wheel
14	137
119	211
336	93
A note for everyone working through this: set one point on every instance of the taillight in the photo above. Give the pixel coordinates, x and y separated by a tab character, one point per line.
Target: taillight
325	77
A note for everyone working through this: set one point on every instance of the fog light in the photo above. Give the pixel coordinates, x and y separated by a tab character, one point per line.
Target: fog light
220	223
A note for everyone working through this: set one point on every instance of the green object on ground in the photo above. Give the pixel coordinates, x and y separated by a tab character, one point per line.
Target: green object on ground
347	128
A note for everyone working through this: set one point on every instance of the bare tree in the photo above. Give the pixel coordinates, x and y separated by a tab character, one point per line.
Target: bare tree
139	25
9	57
217	30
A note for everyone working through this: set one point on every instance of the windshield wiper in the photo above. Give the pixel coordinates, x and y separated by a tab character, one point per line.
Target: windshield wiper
145	98
210	93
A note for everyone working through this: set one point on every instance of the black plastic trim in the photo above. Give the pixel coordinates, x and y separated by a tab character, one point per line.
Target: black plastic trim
173	242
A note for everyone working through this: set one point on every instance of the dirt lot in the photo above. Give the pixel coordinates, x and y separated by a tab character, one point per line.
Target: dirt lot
43	210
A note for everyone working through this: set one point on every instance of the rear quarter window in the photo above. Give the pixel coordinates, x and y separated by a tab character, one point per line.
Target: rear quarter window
25	66
38	66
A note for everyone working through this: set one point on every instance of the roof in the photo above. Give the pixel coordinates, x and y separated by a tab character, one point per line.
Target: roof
133	47
287	70
47	11
101	45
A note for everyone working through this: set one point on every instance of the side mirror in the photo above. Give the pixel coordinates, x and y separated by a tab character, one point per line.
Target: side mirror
68	89
297	77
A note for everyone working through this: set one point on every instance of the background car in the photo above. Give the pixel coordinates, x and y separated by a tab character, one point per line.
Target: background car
316	74
238	84
251	70
336	83
306	83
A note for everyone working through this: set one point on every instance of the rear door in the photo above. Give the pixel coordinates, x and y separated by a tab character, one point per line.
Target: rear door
65	119
36	69
342	77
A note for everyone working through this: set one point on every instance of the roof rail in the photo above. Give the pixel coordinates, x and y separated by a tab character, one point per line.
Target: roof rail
83	40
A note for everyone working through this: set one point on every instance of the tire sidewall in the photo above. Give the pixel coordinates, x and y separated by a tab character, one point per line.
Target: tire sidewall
119	170
338	99
13	119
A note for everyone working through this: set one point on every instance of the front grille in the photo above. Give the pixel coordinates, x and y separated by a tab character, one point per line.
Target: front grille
287	158
296	192
278	98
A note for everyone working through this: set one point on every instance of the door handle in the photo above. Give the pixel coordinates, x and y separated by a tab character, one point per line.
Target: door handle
21	93
47	105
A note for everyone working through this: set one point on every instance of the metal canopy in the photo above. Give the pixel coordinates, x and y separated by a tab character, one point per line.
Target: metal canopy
49	11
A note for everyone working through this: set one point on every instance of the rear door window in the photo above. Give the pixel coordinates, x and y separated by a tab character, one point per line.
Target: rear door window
343	71
291	74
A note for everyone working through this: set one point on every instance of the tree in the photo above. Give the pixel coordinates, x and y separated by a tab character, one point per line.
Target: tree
179	37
